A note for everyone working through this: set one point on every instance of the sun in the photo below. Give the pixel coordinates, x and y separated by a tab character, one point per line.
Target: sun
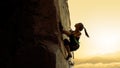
106	42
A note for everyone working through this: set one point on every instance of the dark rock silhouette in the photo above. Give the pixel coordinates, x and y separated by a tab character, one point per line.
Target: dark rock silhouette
30	33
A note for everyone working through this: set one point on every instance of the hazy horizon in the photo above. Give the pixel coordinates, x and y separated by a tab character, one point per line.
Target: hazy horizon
104	61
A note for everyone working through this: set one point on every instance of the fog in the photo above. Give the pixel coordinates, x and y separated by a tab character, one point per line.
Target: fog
99	65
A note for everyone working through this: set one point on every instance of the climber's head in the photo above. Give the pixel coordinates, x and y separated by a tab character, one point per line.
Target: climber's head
80	27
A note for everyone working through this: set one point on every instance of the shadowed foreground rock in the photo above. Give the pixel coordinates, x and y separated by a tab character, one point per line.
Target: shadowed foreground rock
30	33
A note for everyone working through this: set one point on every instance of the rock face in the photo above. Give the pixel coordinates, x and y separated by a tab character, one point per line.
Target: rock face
30	33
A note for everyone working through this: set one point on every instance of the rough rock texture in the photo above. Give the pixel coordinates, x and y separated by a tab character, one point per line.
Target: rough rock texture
30	33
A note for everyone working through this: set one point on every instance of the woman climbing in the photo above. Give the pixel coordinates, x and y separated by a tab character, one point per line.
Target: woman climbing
73	43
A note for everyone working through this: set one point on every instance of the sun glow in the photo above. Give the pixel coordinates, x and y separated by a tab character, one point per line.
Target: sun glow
106	42
102	21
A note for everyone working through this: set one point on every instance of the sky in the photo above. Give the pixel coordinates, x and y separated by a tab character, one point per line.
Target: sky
101	19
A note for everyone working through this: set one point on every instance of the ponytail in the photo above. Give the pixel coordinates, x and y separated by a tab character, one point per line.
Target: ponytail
81	27
86	32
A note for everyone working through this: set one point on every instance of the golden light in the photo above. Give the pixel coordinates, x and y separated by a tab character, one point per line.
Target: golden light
102	21
106	42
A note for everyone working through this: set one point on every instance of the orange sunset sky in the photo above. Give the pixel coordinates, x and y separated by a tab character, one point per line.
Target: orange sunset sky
102	21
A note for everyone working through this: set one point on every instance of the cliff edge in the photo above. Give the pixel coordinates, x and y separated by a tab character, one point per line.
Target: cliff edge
30	33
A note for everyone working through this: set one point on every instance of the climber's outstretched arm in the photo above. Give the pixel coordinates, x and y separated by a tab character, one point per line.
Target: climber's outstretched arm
66	32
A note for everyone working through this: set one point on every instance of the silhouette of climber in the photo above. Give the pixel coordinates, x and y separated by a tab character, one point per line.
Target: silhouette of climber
73	43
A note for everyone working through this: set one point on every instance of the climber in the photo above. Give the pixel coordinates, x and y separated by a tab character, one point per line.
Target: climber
73	43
